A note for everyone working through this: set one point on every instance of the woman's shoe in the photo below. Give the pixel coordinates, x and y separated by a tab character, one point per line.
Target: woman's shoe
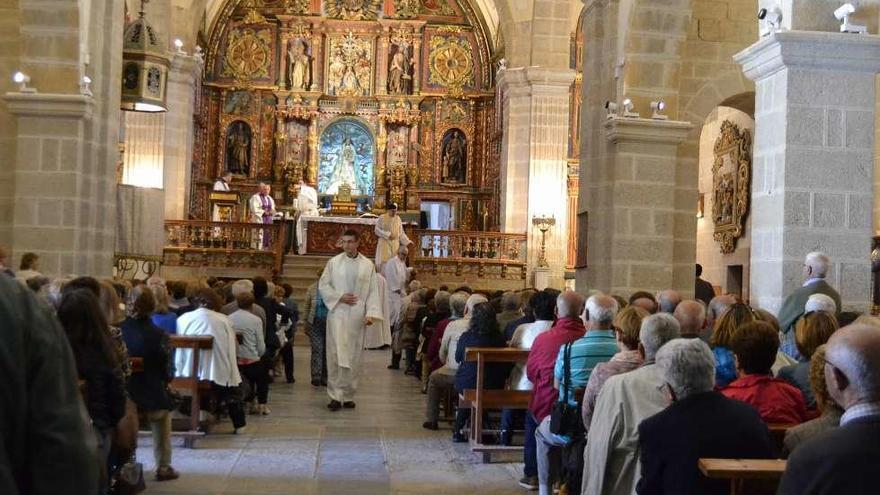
165	473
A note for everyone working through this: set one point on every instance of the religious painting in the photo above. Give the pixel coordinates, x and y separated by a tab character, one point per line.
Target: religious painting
239	141
731	183
299	66
400	65
350	66
437	7
238	103
453	156
248	54
346	157
352	10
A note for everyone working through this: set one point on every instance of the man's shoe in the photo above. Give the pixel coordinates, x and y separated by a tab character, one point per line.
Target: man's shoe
458	437
316	383
334	405
430	425
165	473
529	482
393	366
264	409
240	430
349	404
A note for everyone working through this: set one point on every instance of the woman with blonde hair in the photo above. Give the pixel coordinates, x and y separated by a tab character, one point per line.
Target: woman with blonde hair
810	332
830	412
722	336
163	317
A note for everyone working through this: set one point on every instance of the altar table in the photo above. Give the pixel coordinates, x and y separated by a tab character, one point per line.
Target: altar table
322	233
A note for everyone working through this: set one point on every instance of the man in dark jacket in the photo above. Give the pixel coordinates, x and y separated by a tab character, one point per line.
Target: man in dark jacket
842	460
815	268
703	290
265	301
699	423
46	445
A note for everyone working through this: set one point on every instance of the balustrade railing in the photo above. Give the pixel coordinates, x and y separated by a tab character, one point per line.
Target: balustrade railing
492	247
252	239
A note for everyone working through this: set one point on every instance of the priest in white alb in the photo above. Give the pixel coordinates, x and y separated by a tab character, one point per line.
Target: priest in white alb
262	207
379	334
349	288
389	228
306	206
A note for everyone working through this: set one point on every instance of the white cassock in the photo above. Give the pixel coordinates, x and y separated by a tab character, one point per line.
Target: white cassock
396	275
219	364
258	205
380	334
345	323
391	237
306	206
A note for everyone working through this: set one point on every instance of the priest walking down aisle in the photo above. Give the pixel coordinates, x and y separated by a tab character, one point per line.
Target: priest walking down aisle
349	288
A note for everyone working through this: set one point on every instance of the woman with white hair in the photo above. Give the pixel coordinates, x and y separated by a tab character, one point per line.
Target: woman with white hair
673	440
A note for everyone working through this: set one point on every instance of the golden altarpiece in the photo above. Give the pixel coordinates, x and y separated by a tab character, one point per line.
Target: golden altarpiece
391	100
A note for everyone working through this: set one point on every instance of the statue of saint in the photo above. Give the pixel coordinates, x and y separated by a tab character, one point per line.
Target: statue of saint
454	158
238	144
399	78
298	66
336	70
343	171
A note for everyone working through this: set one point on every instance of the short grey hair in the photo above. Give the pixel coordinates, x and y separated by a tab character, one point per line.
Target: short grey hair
687	366
601	310
691	316
569	303
472	301
457	303
402	250
668	300
820	302
718	306
242	286
414	286
441	299
657	330
510	301
853	351
818	262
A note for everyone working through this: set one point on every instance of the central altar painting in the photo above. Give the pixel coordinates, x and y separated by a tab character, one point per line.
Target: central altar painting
392	99
346	157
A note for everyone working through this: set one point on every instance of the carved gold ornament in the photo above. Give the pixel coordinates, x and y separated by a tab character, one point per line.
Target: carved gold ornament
450	62
406	9
731	184
352	10
299	7
247	54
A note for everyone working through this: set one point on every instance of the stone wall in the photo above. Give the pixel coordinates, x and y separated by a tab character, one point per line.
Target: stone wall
10	49
715	264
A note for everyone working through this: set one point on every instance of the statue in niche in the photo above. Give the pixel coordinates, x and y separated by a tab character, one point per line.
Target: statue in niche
299	66
238	148
343	169
453	157
395	175
400	71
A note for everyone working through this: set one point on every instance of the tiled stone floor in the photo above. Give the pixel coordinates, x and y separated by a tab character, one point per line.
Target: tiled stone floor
302	448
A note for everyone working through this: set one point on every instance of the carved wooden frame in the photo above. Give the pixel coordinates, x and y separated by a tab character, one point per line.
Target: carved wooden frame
736	144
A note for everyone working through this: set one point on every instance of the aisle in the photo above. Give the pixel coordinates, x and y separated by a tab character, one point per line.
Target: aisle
379	448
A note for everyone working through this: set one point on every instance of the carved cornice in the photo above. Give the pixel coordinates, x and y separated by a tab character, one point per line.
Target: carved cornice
624	129
49	105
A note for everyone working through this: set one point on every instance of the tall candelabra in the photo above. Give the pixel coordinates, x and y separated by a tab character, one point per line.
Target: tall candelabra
544	224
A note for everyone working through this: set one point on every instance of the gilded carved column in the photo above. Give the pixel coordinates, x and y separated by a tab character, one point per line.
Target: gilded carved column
317	41
417	63
313	150
382	62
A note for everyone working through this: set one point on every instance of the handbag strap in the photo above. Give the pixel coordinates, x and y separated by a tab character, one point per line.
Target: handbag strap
566	371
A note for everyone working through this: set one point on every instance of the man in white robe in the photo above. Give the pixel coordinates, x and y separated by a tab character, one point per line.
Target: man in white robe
389	228
306	206
349	288
222	184
262	207
396	275
379	335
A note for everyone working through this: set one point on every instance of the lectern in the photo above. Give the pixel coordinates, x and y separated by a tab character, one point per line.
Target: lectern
225	206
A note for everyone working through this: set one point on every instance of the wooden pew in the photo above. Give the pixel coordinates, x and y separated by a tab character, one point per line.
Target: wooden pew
481	400
191	385
777	434
738	471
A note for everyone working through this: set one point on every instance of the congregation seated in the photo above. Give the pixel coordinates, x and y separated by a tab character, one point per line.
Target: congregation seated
811	331
668	300
217	365
691	316
841	460
699	423
179	302
149	388
238	287
644	300
249	330
28	267
162	316
829	411
453	312
816	267
611	458
754	346
528	314
482	331
718	306
722	335
510	304
438	311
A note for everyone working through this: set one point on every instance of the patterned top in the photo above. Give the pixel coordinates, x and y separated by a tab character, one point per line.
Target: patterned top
622	362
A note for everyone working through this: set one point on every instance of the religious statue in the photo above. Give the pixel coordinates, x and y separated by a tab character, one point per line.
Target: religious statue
238	148
349	68
343	169
454	157
299	66
395	175
400	72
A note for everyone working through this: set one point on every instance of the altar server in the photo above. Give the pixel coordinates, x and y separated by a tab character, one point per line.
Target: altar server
349	288
396	275
389	228
262	210
379	334
306	206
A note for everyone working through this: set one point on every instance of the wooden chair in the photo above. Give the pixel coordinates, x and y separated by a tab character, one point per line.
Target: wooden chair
192	385
480	400
767	472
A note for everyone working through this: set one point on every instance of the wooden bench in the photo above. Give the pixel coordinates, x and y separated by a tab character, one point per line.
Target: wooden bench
777	434
480	399
738	471
192	385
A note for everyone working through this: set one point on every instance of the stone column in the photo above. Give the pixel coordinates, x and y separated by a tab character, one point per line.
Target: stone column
631	205
183	80
812	186
534	169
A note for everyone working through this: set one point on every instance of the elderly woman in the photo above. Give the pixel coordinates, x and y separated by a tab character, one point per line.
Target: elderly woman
830	411
811	331
627	325
149	389
722	335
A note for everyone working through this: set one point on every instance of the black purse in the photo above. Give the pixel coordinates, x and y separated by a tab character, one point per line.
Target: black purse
565	419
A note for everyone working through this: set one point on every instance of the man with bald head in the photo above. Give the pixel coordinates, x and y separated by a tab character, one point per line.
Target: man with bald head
691	315
668	300
842	460
540	369
717	307
816	266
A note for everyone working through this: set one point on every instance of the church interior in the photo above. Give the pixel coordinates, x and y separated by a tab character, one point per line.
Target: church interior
591	146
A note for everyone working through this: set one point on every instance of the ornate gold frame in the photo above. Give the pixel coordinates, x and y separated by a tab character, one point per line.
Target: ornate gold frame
730	202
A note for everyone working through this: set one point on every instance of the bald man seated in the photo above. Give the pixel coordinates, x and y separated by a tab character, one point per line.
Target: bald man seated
691	315
843	460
